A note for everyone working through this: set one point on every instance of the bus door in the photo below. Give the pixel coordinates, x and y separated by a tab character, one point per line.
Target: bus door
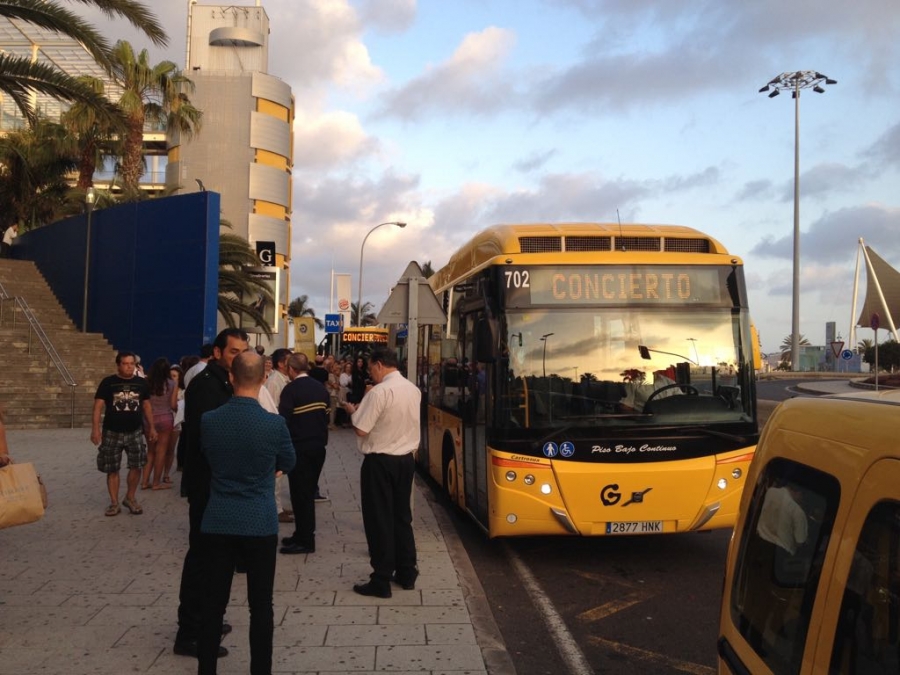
475	416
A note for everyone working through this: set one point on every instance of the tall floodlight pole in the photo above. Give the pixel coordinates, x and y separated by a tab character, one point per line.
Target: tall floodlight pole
361	251
90	199
794	82
544	339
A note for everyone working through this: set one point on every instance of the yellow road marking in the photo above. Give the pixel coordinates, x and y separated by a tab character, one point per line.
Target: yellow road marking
653	658
613	606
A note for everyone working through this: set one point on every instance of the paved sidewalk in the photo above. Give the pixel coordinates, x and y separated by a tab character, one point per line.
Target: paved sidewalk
81	593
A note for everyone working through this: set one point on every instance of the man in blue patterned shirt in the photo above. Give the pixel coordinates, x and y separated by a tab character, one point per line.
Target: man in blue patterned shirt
244	446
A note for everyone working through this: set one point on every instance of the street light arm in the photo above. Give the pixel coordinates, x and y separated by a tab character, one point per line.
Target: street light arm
362	249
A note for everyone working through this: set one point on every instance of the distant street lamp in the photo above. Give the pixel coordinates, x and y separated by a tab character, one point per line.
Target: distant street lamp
90	199
361	251
544	338
794	82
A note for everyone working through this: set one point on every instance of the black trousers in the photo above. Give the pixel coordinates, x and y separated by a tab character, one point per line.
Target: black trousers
386	487
192	575
303	479
219	553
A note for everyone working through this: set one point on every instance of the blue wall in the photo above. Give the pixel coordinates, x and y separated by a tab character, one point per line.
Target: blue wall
153	272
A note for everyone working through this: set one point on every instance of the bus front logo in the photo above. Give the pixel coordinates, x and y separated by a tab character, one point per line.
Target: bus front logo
609	496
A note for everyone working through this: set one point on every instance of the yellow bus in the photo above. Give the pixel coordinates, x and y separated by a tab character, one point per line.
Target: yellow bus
592	379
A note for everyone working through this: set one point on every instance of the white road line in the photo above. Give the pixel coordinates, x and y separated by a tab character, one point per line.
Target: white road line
571	653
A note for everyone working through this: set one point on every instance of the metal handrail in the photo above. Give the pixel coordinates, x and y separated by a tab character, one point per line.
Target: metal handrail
35	328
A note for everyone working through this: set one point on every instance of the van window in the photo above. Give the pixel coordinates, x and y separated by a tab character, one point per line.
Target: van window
866	636
779	562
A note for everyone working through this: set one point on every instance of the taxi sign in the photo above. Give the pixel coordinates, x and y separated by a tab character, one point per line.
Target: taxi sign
333	323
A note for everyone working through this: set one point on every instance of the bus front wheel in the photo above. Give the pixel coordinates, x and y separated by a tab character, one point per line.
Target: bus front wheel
450	474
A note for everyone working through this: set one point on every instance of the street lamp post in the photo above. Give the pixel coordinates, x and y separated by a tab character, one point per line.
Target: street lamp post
361	251
544	355
794	82
90	198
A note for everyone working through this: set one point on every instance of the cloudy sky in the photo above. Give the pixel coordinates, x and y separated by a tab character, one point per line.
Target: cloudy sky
453	116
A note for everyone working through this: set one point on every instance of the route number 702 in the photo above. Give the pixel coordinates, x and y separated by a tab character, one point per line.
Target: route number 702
518	279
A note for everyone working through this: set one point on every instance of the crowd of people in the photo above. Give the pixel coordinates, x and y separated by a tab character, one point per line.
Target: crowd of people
236	421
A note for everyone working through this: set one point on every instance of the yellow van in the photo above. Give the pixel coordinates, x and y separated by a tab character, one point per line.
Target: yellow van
812	583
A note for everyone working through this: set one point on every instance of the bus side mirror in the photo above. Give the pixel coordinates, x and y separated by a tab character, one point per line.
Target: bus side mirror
484	342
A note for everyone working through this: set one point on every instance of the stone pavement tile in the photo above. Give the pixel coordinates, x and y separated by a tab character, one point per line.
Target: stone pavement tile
24	598
319	659
17	620
450	634
71	637
451	597
330	616
19	660
161	638
116	615
305	598
300	636
100	600
422	615
407	598
431	657
340	636
430	546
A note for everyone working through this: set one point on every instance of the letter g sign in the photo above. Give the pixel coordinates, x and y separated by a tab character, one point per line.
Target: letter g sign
265	251
609	496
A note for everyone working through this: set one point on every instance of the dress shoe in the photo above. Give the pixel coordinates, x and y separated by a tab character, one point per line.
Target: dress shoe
374	589
320	497
406	581
296	549
285	517
287	541
226	629
190	649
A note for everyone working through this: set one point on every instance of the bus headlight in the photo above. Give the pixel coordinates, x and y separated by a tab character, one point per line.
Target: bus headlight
511	518
546	489
736	473
722	484
529	479
510	476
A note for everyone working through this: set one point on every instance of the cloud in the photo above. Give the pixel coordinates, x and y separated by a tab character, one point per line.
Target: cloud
833	237
330	140
755	190
390	16
886	150
471	80
534	161
824	179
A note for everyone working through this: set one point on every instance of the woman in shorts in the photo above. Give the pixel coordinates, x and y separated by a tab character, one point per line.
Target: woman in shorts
164	402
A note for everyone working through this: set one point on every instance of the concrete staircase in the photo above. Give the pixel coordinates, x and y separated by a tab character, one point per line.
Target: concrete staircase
32	390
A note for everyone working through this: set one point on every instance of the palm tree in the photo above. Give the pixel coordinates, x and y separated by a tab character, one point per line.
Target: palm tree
299	307
95	134
20	76
427	269
235	253
157	94
368	314
34	163
787	344
864	345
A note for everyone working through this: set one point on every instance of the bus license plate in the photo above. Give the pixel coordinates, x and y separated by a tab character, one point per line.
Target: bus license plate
635	527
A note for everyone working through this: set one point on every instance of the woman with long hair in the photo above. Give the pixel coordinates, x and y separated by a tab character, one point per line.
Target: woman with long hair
164	402
360	377
177	375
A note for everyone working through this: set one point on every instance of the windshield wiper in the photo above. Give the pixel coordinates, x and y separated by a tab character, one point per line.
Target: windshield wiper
709	432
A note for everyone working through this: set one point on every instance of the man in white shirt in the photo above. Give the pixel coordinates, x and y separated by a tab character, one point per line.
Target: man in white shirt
386	422
273	385
206	353
11	233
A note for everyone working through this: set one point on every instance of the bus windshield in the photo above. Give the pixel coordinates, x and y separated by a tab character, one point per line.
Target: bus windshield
624	366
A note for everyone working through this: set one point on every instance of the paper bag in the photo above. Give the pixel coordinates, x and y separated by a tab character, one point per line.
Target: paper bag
20	495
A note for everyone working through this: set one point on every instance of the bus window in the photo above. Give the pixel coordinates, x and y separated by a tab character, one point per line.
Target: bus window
867	635
788	525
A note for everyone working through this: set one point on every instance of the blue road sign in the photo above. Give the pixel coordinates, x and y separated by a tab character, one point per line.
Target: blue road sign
846	355
333	323
402	330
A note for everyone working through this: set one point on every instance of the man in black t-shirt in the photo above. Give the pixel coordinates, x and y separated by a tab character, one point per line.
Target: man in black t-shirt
126	399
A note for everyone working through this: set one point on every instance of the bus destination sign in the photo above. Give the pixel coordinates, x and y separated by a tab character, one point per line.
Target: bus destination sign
615	285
